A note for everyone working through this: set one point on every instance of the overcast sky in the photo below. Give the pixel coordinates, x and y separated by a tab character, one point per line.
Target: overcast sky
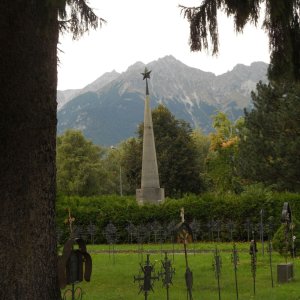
145	30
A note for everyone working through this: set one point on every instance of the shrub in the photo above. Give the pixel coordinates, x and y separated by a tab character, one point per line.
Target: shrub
283	243
121	211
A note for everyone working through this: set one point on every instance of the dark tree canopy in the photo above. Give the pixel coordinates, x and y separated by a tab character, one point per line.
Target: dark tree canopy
77	17
269	144
132	162
281	23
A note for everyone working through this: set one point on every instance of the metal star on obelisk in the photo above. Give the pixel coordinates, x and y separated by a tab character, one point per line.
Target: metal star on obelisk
146	75
150	191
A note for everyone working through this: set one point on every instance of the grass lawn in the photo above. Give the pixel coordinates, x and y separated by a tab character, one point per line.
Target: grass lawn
112	276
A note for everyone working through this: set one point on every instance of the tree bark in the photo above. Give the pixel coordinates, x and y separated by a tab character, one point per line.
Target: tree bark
28	80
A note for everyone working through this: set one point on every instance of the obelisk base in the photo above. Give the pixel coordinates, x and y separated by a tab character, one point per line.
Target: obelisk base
150	195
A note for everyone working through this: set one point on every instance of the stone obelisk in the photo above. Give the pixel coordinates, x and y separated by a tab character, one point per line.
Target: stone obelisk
150	191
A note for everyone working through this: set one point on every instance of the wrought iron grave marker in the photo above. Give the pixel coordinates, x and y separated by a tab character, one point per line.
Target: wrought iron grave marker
185	235
217	265
74	265
111	234
146	277
167	273
235	261
253	252
285	272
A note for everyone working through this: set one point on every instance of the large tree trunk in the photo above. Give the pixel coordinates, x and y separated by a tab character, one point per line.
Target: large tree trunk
28	79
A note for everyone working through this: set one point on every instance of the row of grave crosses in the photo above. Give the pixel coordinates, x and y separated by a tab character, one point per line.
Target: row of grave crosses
147	276
213	226
71	262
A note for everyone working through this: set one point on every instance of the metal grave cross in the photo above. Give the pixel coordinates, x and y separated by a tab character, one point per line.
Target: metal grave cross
253	253
235	261
217	265
167	273
286	219
184	235
147	280
270	227
91	230
111	234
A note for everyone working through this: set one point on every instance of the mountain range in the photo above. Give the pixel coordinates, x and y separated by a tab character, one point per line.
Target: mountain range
110	109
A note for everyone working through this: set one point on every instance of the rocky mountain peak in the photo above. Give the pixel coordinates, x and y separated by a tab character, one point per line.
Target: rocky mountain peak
109	109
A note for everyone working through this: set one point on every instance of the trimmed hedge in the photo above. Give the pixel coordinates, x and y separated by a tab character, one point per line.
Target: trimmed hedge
122	210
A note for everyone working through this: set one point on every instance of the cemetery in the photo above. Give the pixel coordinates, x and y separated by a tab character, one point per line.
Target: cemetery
204	205
198	247
184	259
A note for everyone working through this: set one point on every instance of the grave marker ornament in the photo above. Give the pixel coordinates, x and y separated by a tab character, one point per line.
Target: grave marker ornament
270	246
286	219
167	273
92	230
248	227
147	280
171	228
185	235
131	230
141	235
217	265
217	227
231	228
285	272
235	261
270	250
195	226
261	231
252	252
70	220
111	235
74	265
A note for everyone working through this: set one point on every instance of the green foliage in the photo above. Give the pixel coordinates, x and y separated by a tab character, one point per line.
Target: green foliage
132	163
79	167
282	241
281	23
202	143
100	210
269	143
112	163
222	155
279	241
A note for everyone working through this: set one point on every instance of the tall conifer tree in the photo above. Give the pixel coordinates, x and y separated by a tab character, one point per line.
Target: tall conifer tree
28	77
269	144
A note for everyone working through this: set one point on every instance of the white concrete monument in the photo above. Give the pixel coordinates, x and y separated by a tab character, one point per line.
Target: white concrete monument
150	191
